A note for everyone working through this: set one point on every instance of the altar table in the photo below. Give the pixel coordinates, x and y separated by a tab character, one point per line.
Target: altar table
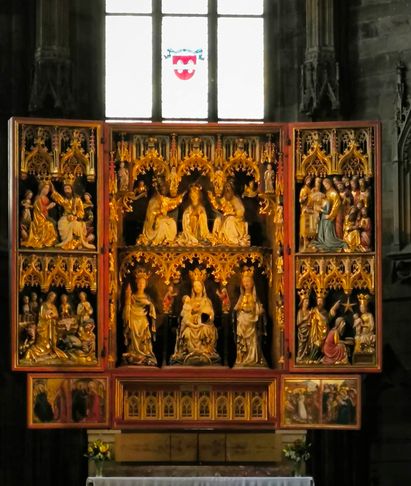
201	481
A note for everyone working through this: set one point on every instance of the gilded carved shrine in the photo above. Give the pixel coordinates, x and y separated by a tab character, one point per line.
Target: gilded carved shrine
189	270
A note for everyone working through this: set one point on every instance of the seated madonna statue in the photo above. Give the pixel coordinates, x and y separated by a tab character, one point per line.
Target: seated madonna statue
197	335
250	326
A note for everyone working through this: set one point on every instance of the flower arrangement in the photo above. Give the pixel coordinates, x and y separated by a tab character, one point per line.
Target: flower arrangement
298	451
98	451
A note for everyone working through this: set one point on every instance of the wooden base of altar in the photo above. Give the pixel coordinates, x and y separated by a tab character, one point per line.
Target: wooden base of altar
196	453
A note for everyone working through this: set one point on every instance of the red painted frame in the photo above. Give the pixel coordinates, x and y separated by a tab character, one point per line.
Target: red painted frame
102	313
291	316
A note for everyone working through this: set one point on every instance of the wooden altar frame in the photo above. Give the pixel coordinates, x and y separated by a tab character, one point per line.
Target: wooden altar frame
377	253
107	347
15	251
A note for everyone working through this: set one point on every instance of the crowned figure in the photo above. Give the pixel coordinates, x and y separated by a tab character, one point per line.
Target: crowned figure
364	326
197	335
139	318
195	228
250	324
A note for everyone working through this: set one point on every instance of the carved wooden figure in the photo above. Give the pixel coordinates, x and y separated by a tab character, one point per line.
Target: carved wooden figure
250	325
139	318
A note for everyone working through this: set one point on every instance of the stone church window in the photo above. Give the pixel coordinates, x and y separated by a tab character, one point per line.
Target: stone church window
181	60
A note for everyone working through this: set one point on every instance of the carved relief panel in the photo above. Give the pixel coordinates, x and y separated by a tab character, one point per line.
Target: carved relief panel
196	238
336	319
56	233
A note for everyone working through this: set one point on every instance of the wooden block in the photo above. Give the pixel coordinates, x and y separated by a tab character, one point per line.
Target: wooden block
184	447
255	447
136	447
212	447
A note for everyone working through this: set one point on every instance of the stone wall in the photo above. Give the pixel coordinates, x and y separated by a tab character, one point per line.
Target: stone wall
379	37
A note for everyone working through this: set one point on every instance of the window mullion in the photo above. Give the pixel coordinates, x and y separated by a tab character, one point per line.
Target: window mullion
157	113
212	61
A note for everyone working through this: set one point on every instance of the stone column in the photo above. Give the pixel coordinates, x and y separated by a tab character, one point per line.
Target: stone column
401	180
320	71
51	91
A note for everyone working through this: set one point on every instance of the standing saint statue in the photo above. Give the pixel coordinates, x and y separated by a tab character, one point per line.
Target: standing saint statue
84	310
309	216
122	178
139	318
269	179
319	320
327	239
197	335
250	327
303	328
26	218
367	329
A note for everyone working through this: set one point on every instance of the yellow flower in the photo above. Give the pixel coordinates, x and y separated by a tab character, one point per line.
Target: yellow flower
98	451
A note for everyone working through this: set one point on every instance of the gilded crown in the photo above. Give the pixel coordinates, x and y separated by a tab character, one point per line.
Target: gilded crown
304	294
197	274
321	293
197	188
363	298
44	177
141	272
68	179
247	272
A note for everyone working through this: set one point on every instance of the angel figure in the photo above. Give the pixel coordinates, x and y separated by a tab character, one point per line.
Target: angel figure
225	300
168	299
